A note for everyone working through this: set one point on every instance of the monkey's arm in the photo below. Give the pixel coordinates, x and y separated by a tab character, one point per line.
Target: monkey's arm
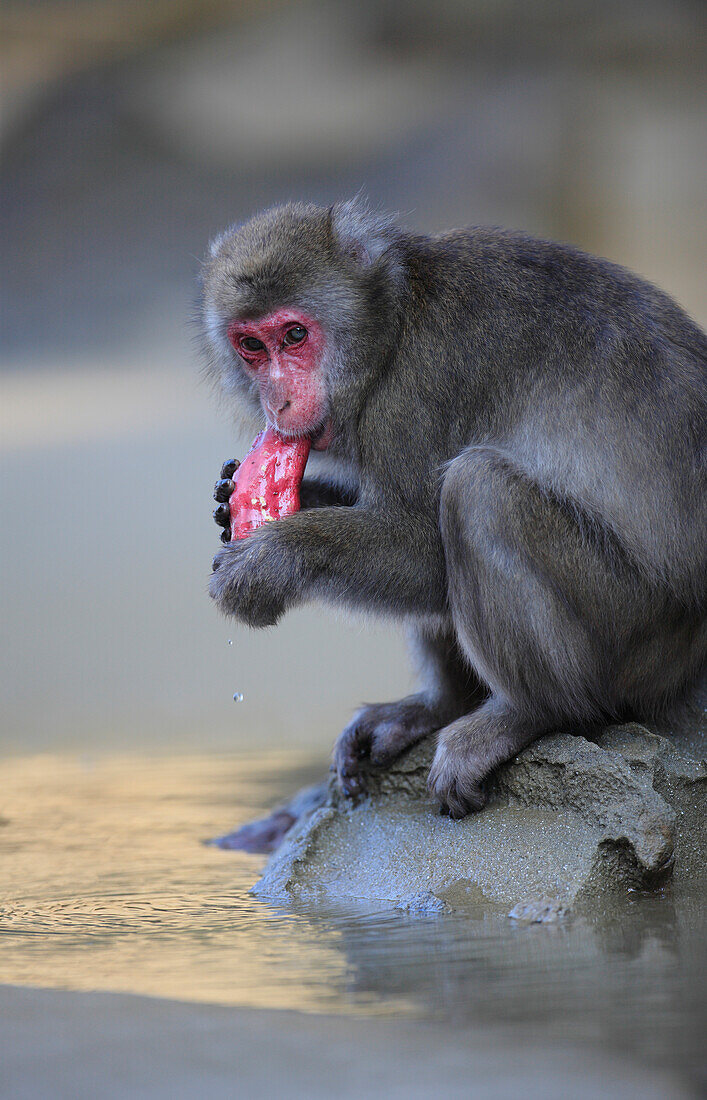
365	557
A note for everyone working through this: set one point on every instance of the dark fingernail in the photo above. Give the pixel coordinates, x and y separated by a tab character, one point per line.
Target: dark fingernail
222	515
223	489
229	468
225	535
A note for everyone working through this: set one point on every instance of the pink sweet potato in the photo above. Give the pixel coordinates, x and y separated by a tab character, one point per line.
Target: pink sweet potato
267	482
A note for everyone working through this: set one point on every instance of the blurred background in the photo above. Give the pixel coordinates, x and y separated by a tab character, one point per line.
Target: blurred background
133	131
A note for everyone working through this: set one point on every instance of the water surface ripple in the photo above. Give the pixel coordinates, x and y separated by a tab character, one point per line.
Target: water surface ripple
105	885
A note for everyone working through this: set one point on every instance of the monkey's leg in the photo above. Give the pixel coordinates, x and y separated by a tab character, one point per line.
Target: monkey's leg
545	608
379	733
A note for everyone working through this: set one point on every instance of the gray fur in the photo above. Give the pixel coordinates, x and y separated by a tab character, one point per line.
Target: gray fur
523	427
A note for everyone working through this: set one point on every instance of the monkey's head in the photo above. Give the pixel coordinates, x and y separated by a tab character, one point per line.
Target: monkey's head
299	307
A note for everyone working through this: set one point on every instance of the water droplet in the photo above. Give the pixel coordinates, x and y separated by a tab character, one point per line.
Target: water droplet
238	697
230	641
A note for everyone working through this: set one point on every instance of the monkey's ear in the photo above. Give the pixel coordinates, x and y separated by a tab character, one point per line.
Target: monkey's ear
358	232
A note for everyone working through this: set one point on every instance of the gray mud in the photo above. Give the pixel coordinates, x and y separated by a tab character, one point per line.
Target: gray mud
570	821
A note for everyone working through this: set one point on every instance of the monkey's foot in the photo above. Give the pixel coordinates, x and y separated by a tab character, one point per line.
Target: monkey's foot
456	777
378	734
470	749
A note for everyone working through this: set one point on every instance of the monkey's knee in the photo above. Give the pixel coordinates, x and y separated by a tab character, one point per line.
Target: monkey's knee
510	554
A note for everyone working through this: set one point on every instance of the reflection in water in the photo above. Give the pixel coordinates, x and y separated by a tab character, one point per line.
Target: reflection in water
106	886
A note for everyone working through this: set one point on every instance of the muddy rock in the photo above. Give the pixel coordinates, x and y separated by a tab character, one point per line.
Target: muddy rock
568	821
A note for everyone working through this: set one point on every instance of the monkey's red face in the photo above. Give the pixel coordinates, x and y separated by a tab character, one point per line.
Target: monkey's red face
284	352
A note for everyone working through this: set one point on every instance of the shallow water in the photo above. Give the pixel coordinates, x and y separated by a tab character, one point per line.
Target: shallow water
106	886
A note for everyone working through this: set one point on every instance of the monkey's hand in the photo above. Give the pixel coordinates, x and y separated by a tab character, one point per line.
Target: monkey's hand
248	579
222	493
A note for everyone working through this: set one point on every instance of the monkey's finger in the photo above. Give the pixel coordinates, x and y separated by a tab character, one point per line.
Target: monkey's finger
229	467
353	746
352	785
226	535
223	489
222	515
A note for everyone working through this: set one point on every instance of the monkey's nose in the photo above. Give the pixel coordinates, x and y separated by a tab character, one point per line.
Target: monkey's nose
283	407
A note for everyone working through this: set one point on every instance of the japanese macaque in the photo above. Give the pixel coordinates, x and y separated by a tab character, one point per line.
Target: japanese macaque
515	433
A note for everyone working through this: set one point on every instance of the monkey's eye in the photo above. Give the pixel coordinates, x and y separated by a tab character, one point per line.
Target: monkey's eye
249	343
295	335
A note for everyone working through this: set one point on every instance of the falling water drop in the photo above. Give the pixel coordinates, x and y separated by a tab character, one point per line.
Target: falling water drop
238	697
230	641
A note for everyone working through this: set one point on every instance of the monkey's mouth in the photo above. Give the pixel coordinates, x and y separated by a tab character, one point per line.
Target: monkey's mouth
322	436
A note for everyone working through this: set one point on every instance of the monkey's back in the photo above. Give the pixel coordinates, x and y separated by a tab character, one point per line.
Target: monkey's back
594	380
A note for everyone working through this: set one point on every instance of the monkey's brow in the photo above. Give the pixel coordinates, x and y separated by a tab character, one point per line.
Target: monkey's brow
240	279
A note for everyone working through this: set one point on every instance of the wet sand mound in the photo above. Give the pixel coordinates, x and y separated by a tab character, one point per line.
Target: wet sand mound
569	821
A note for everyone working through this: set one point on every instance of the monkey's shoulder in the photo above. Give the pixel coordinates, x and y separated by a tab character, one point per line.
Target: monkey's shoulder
514	272
494	248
